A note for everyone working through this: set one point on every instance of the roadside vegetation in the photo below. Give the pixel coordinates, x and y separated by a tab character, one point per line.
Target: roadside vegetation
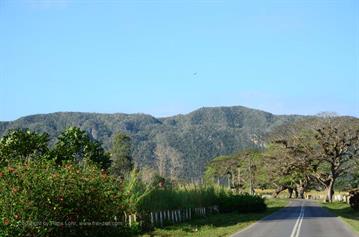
218	225
71	189
75	187
344	211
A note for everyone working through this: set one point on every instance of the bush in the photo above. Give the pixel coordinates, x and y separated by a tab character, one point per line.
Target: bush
181	197
243	203
39	198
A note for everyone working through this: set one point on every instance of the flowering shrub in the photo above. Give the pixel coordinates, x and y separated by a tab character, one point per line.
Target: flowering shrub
39	198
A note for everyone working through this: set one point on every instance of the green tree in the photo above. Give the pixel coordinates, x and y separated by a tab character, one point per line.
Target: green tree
285	170
76	145
243	170
22	144
221	168
337	141
121	155
318	150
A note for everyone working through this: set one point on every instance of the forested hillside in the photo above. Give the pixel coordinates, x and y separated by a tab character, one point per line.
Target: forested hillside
178	146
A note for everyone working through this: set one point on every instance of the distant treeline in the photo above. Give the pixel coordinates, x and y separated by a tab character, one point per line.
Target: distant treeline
178	146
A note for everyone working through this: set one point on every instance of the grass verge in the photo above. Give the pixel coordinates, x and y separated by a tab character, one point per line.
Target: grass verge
344	211
217	225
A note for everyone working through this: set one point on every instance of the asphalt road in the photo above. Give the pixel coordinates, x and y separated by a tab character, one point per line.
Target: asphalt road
301	218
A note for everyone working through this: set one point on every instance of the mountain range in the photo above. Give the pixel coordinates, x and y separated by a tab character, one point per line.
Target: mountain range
178	146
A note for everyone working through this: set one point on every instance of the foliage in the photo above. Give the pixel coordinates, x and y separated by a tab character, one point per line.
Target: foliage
338	142
243	203
243	170
39	198
317	150
195	138
191	196
56	197
134	191
181	197
75	145
219	167
121	155
22	144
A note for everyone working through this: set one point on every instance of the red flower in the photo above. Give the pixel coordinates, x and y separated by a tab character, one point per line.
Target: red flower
1	174
6	221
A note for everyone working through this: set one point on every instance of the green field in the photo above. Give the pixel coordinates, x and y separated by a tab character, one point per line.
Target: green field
346	213
218	225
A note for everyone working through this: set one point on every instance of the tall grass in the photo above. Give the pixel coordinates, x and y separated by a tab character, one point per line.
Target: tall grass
191	196
187	196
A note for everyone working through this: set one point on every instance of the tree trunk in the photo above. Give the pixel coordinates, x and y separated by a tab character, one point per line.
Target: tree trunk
301	188
251	190
290	192
239	179
330	191
229	179
301	192
278	190
295	193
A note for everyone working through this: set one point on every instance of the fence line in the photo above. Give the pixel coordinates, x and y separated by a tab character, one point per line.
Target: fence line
166	217
338	197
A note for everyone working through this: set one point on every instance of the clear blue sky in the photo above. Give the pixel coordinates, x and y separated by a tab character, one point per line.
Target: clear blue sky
174	56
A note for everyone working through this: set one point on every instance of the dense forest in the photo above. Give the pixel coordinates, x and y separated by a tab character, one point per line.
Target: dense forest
179	146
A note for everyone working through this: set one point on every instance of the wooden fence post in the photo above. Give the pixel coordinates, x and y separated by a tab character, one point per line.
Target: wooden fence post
152	221
161	218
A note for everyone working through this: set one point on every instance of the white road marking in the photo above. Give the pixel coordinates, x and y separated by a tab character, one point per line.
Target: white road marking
298	224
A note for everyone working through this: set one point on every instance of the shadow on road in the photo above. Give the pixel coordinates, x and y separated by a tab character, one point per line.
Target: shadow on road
310	212
230	219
